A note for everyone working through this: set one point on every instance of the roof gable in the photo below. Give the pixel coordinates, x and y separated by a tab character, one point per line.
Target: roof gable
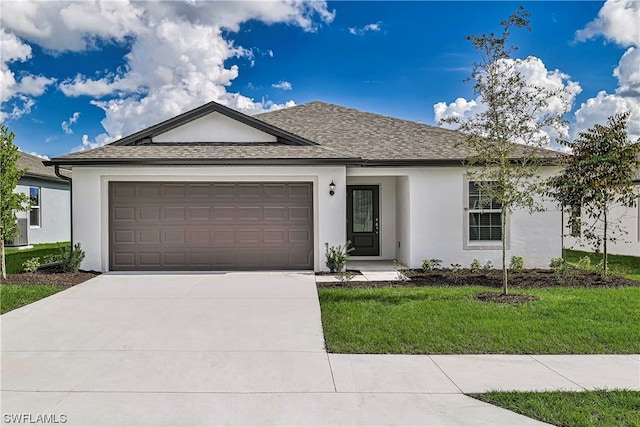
36	169
214	127
147	135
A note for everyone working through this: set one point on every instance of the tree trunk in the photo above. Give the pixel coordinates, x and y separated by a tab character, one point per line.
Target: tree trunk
604	249
503	225
4	266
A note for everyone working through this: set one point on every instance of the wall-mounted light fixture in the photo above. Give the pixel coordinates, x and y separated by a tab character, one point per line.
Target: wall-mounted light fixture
332	188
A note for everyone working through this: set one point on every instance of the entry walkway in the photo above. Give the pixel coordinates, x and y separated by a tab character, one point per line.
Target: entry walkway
244	349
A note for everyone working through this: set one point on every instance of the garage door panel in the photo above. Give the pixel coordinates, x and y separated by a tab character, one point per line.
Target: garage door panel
210	226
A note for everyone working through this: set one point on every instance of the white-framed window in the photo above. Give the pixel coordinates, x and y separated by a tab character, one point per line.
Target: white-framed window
34	213
484	216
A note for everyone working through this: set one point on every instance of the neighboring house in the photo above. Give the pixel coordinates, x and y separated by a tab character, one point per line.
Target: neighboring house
626	244
48	219
214	189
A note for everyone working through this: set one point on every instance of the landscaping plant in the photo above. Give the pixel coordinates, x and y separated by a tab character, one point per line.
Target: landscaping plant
598	176
505	137
31	265
337	256
10	201
517	264
71	258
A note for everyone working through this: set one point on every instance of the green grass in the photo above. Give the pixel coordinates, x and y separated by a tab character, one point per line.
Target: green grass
14	296
443	320
618	408
618	264
15	257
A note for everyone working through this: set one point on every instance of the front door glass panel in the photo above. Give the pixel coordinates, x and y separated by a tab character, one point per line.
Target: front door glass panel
362	211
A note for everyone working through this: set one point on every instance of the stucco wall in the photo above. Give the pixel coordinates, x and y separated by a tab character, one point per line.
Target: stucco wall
214	127
438	231
403	218
90	196
54	212
626	244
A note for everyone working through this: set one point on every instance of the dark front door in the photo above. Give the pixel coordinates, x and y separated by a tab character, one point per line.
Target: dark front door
363	224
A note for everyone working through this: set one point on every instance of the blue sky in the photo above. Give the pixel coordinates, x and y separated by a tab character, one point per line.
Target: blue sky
78	75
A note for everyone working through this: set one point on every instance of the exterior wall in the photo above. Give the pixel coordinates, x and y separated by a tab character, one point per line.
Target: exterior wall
387	186
224	129
437	218
403	218
91	198
54	211
627	244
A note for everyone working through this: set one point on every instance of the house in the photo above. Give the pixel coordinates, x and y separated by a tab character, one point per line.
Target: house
48	220
214	189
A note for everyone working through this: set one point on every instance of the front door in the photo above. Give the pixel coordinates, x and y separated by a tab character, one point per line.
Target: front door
363	225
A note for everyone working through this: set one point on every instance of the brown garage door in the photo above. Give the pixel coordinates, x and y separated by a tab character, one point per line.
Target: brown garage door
210	225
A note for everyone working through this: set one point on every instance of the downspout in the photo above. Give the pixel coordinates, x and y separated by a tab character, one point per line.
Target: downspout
69	180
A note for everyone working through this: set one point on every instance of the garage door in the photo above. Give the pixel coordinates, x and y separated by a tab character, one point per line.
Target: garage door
210	225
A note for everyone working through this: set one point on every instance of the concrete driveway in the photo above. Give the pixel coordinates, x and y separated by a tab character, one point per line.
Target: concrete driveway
207	349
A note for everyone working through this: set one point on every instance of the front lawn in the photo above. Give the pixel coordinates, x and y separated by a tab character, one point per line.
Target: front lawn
588	408
450	320
618	264
15	296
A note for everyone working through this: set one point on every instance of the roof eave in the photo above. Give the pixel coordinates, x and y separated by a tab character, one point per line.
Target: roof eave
204	162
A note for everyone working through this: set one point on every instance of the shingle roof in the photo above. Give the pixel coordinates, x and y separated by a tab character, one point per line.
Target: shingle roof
35	168
368	135
335	133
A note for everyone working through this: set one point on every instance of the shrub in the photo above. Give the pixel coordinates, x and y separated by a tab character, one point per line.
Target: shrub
31	265
475	266
557	263
431	264
398	265
517	263
456	267
71	258
584	263
337	257
487	266
51	258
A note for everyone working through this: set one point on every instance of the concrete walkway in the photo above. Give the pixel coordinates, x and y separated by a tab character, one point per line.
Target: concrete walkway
245	349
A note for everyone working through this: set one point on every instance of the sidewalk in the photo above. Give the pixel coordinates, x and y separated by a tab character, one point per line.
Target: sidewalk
441	374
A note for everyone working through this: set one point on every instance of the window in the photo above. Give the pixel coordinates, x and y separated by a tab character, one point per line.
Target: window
34	214
485	215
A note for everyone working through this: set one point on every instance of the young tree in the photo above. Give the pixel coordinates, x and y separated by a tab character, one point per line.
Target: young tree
505	139
10	202
598	176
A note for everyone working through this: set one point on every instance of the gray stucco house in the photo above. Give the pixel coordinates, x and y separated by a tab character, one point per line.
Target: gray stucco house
48	220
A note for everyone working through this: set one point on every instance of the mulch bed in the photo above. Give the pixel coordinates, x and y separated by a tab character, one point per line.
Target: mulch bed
506	299
528	279
63	280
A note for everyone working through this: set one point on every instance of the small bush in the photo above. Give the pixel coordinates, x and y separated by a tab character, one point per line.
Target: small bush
51	258
431	264
31	265
337	257
456	267
398	265
557	263
487	266
517	264
475	266
71	258
584	263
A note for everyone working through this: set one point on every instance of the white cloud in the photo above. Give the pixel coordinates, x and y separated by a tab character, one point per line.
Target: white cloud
16	94
625	98
536	74
66	125
617	21
282	85
42	156
375	27
178	57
